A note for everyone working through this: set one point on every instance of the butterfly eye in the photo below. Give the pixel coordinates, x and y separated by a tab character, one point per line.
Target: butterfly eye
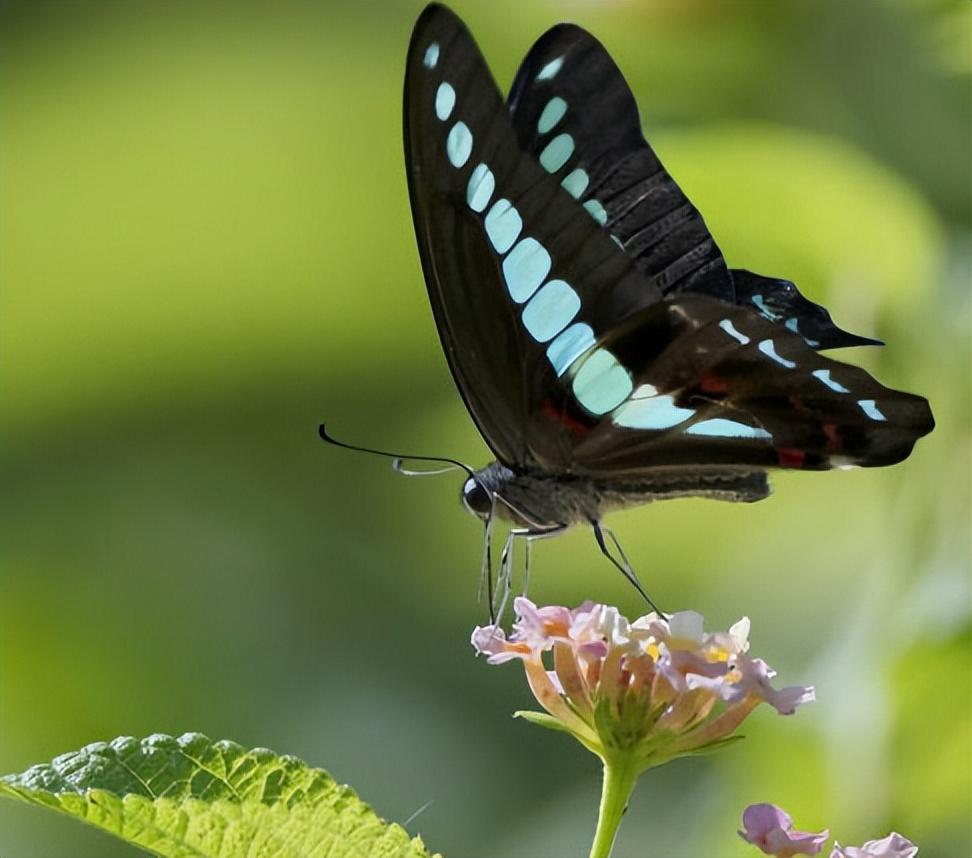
476	498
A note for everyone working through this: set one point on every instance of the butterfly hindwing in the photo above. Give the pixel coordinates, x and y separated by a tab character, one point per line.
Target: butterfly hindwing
721	385
780	301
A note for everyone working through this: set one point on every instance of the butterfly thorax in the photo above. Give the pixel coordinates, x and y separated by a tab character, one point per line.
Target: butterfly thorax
541	501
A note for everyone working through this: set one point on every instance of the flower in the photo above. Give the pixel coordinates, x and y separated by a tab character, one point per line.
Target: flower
646	691
771	829
892	846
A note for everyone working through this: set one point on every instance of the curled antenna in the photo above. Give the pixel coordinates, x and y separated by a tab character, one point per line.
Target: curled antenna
399	458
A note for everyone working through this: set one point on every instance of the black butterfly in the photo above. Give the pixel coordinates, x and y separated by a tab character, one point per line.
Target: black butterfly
606	352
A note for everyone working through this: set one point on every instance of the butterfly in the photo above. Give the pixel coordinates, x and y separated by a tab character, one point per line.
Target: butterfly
601	344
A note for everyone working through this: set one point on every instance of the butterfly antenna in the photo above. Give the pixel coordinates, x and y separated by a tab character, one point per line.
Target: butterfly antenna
400	458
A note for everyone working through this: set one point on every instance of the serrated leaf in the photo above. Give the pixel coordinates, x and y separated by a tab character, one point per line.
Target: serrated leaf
190	797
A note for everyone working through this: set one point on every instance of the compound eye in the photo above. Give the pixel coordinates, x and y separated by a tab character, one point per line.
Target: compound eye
476	498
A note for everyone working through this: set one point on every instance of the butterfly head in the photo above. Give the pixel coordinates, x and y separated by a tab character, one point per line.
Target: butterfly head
477	498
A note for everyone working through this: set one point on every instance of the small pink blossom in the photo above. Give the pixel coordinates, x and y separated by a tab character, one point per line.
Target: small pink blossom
538	628
491	641
892	846
771	829
755	675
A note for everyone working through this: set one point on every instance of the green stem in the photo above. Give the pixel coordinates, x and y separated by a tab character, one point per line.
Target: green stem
620	776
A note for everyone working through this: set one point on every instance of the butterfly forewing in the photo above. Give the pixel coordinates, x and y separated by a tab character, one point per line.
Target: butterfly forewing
520	278
569	85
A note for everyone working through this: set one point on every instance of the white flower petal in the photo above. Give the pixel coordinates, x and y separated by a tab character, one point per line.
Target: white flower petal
686	625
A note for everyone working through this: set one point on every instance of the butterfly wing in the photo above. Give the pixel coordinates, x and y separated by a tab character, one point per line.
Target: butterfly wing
568	357
493	225
569	85
780	301
718	385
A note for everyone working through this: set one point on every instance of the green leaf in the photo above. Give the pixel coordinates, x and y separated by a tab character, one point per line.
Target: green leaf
194	798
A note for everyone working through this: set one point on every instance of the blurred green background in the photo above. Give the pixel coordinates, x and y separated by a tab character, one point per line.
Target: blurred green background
207	249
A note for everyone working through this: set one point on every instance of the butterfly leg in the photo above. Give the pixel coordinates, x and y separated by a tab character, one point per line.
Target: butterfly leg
507	560
624	565
527	546
486	574
504	582
529	538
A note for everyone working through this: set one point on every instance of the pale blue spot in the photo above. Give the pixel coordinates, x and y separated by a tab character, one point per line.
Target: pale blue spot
722	428
551	310
480	189
459	144
526	267
824	376
556	152
550	69
793	325
651	412
869	407
552	114
445	100
767	348
569	345
728	327
596	211
576	183
643	391
431	55
503	225
601	382
766	311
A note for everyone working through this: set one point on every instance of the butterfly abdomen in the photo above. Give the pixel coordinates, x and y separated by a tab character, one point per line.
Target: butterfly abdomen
542	501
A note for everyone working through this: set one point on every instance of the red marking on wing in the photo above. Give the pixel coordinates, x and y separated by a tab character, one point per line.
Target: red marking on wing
560	414
713	384
790	458
834	442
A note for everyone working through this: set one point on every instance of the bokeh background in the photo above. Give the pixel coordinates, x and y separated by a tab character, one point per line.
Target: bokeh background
207	249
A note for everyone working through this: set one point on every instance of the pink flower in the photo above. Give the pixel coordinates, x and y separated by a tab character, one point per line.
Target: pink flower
892	846
655	688
491	641
537	627
771	829
755	675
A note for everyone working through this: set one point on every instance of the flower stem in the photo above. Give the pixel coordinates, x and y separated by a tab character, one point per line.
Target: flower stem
620	776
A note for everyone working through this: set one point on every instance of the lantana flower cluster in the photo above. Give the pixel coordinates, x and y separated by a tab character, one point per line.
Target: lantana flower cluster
648	690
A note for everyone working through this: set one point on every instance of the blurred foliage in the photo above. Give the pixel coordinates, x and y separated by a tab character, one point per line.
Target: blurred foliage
207	248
